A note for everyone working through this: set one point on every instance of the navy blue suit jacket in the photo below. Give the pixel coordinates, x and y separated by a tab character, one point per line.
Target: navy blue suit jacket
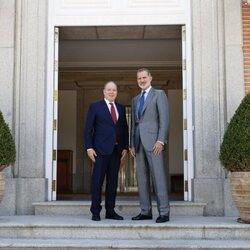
101	133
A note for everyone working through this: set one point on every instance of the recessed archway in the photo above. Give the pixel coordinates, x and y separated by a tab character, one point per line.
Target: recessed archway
91	56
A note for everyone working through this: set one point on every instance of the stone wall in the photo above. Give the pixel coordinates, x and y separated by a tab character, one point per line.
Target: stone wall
23	29
246	43
7	91
218	88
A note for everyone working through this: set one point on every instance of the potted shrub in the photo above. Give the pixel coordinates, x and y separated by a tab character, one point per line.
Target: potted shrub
235	157
7	151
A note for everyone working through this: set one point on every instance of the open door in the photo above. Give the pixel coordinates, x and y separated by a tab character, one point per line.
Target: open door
55	113
184	95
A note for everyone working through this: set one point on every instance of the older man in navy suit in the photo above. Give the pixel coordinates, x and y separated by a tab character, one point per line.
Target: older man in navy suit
106	142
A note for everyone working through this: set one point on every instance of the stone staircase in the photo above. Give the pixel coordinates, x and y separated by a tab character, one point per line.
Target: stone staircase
123	207
79	232
67	225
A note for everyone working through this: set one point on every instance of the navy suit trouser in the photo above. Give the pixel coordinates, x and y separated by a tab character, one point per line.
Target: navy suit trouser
105	165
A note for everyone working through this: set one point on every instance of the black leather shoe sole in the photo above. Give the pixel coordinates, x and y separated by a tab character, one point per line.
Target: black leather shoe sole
142	217
96	217
114	217
162	219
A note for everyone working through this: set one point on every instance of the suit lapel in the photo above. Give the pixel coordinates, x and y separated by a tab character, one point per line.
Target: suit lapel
108	114
136	100
148	99
119	111
106	111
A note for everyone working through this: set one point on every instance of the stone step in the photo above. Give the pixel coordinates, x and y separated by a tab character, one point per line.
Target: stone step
125	208
123	244
79	227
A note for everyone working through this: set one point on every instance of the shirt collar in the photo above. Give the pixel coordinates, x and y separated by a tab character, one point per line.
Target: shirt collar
108	102
147	90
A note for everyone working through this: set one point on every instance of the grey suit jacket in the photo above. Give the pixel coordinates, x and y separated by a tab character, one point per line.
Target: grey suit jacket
154	123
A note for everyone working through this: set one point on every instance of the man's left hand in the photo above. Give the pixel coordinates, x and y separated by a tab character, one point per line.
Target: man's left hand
157	149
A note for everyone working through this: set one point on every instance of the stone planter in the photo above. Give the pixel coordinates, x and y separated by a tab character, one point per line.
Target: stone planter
240	186
2	185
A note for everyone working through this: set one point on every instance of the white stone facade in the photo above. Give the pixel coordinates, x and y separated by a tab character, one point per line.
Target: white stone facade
217	88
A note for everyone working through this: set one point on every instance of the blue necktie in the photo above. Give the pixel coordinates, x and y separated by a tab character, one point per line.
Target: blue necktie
141	103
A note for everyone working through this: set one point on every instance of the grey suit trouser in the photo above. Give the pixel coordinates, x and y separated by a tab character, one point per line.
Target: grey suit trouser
148	164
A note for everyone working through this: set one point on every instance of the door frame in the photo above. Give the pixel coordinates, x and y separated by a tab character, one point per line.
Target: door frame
57	19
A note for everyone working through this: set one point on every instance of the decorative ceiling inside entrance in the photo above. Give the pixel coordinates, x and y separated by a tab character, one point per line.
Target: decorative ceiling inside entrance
99	53
121	32
86	48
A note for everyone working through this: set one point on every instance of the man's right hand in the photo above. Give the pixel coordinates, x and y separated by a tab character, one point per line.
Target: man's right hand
132	152
91	154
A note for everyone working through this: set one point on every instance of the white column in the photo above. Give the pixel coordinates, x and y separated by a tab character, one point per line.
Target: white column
30	61
209	67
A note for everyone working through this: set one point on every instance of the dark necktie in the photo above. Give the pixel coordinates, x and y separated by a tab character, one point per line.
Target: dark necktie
141	103
113	113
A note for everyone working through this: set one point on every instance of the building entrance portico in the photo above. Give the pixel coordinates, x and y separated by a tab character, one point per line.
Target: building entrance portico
86	56
35	54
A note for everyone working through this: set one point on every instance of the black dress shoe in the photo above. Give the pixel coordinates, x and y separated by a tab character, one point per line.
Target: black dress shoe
96	217
142	217
162	218
113	216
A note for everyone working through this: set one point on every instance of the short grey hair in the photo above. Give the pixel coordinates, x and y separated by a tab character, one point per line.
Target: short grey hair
143	69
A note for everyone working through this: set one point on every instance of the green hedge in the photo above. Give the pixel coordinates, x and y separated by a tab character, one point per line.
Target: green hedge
7	144
235	148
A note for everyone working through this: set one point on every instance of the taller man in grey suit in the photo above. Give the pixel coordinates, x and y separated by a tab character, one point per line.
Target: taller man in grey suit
149	133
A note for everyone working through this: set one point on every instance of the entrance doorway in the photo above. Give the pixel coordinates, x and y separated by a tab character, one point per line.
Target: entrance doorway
88	58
